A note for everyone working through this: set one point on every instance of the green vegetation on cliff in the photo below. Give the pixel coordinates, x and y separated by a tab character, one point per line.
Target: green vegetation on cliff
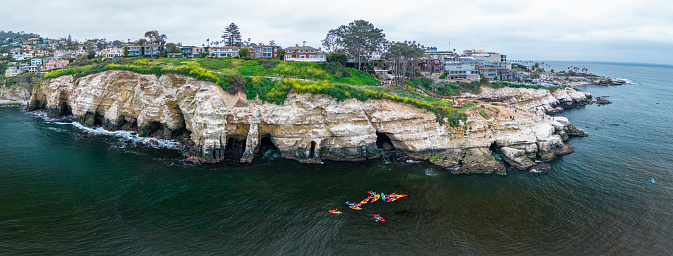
272	80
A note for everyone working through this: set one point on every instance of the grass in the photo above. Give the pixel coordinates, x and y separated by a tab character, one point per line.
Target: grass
300	77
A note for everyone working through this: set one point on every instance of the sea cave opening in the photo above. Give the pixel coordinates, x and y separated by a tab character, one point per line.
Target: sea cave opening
496	152
235	145
265	144
312	153
153	127
384	142
63	107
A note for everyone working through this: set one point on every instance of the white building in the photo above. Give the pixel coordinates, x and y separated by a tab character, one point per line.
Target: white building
35	62
12	71
58	54
17	55
223	52
113	52
463	68
32	69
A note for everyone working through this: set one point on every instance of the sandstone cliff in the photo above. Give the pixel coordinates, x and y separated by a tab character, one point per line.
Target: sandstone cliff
309	128
16	93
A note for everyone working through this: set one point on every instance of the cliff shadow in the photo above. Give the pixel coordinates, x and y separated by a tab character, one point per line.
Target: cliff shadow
63	108
384	142
234	149
266	144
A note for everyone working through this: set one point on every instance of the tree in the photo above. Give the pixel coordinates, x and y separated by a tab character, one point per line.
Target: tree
231	35
483	80
171	47
99	46
91	55
126	51
142	41
69	38
401	54
339	58
244	52
281	53
117	43
153	37
330	41
359	38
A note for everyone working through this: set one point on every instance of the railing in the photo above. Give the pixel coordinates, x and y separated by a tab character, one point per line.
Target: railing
307	59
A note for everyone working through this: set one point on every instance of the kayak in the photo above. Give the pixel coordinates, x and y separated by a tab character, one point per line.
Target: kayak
335	211
355	207
379	218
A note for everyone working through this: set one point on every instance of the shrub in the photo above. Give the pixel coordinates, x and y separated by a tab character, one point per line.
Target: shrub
268	63
483	114
236	84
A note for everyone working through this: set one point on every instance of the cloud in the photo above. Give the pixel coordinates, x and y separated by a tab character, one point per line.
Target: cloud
522	29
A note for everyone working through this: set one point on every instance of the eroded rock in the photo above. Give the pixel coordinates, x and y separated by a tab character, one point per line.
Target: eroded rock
309	128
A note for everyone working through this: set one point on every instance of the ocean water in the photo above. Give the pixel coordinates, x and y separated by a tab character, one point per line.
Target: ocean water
69	190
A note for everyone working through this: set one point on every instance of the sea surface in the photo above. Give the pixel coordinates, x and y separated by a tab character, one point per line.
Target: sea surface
70	190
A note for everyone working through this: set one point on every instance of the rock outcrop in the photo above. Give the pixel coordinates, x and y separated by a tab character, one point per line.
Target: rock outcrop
16	93
547	101
310	128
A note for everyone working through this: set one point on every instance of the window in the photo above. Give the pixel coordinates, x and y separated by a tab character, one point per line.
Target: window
302	56
312	50
301	50
259	55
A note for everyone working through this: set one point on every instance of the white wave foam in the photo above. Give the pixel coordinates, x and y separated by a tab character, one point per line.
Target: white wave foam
627	81
131	136
431	173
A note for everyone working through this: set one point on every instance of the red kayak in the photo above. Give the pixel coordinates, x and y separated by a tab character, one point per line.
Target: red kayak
379	218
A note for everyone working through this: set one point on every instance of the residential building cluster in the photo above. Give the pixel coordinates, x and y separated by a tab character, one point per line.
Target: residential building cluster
32	55
46	54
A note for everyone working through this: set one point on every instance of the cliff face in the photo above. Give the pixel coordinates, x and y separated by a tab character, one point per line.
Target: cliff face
16	93
307	128
541	100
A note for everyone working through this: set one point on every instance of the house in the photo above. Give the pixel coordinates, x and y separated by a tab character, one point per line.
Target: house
430	65
305	54
497	73
52	64
133	50
12	71
461	69
59	54
193	51
432	51
224	52
264	51
383	74
113	52
187	52
35	62
144	50
32	68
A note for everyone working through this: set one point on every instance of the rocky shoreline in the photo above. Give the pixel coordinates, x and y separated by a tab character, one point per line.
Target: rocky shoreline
311	128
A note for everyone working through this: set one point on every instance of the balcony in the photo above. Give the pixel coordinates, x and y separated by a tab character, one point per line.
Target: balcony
314	60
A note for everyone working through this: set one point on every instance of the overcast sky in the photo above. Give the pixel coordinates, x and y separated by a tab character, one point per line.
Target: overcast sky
582	30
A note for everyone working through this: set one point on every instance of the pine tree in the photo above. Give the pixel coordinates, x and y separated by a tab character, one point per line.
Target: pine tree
231	36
